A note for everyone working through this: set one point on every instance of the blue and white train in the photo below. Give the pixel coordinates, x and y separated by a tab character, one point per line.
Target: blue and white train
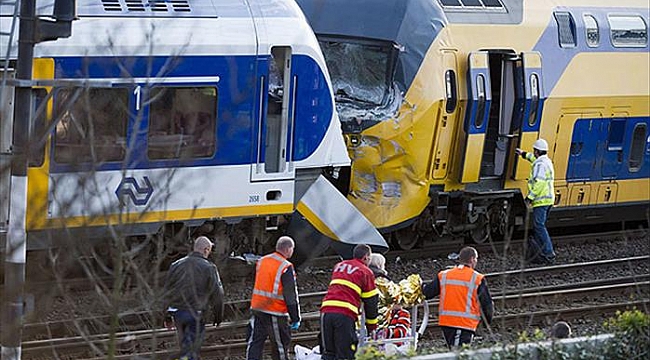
180	117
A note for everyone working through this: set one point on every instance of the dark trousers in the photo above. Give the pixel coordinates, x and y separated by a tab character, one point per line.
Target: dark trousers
338	336
456	337
540	215
262	326
190	330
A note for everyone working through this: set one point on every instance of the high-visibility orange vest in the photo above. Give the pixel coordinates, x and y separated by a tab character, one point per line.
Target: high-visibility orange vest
459	306
267	292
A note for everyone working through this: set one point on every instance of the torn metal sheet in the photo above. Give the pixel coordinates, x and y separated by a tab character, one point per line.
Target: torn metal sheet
334	216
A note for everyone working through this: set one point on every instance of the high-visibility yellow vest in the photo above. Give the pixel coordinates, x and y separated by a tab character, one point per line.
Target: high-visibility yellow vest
541	190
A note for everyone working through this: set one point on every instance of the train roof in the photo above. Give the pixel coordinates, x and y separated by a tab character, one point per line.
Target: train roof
193	27
394	20
170	8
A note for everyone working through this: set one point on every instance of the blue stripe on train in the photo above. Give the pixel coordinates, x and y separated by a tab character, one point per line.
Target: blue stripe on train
601	149
237	113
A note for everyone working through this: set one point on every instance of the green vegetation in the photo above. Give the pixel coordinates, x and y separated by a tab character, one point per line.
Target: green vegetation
631	330
631	340
631	335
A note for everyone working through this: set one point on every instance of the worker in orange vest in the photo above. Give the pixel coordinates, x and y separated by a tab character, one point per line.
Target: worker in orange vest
274	303
464	299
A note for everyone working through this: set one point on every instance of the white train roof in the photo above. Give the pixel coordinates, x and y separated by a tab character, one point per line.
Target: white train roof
170	8
176	27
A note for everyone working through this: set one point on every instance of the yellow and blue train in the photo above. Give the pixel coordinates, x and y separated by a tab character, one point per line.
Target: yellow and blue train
435	95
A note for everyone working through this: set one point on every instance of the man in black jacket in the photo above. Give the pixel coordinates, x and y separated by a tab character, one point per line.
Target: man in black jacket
193	287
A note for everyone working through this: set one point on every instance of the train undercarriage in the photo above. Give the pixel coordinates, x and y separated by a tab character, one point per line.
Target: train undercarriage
479	217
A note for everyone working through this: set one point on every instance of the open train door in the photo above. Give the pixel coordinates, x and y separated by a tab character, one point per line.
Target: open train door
530	101
274	123
478	107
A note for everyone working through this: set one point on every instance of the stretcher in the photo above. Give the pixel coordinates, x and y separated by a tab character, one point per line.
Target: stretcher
401	344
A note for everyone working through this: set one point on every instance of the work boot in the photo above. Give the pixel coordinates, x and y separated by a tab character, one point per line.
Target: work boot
549	260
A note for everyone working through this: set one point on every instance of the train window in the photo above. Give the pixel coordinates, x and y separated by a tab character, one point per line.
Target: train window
39	128
492	3
480	94
566	29
534	99
182	122
637	148
277	109
481	4
616	135
91	124
472	3
450	2
451	91
628	31
591	31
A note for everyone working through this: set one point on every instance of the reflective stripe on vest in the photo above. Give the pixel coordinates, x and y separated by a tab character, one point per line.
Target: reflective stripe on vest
347	283
268	291
468	315
355	287
341	304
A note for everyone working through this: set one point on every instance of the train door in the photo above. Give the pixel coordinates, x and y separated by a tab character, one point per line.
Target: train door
6	126
527	115
273	158
576	142
447	117
505	110
612	157
478	106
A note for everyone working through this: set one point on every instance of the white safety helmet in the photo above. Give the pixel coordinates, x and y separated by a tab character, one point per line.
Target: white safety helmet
541	145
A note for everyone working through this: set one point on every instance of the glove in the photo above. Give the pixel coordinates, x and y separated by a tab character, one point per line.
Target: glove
294	326
168	321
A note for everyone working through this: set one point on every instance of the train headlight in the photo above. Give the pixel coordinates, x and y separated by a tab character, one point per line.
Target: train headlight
355	140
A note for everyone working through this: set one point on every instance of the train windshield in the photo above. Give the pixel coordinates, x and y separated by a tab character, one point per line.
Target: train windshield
359	72
362	79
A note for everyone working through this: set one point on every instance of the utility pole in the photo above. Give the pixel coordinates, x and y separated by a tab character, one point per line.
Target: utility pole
32	31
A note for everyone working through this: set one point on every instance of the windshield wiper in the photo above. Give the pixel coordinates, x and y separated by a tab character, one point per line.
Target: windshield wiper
343	96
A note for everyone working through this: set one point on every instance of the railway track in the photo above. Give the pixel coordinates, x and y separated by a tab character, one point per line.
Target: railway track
442	250
230	334
132	321
237	346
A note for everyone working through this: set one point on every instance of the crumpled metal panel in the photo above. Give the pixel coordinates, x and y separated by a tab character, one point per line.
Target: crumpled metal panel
334	216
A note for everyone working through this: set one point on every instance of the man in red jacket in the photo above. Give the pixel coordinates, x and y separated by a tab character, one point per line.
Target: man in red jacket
352	284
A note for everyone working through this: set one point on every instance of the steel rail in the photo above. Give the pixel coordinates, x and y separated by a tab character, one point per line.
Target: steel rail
133	320
236	329
310	338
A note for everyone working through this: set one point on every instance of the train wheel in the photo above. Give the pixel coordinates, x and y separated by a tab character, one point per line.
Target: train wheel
481	233
501	226
405	239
